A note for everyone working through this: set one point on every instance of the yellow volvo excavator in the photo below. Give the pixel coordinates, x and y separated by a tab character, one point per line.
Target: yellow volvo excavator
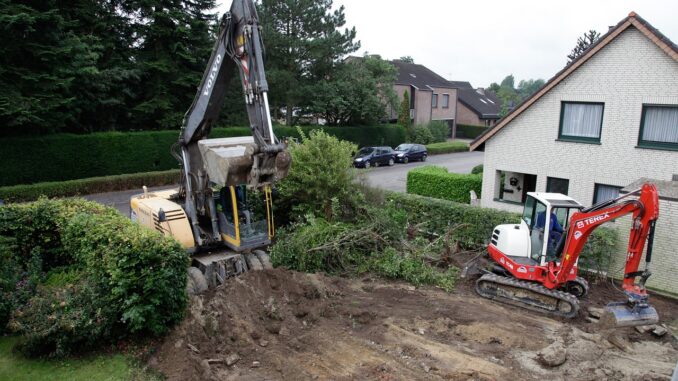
222	210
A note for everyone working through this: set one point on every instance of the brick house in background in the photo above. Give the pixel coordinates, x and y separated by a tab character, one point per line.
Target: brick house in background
432	97
477	107
592	131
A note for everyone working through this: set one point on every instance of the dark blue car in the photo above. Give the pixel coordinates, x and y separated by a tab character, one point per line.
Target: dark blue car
407	152
374	157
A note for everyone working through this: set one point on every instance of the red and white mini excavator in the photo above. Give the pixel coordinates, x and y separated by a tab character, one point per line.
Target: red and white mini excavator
533	264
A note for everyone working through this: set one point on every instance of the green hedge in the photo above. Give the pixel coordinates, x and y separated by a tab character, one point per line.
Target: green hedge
446	147
28	160
433	181
469	131
87	276
474	224
30	192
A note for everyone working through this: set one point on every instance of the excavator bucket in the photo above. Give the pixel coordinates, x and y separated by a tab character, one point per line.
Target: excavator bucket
623	314
231	161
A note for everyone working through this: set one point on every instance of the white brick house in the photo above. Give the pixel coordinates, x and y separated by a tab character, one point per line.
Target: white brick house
600	124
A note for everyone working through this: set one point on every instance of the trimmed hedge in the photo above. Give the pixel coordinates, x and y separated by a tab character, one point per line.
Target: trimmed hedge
30	192
434	181
87	276
446	147
475	224
28	160
469	131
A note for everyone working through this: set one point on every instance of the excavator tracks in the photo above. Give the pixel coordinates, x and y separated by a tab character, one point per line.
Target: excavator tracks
527	295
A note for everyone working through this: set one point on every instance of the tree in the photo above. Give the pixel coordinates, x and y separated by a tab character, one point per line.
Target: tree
528	87
406	59
510	96
175	41
583	43
304	43
404	114
357	92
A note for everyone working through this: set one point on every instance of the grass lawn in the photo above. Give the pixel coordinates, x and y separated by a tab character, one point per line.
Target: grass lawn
113	367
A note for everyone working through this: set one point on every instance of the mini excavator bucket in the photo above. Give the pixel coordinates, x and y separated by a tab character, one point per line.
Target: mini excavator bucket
235	161
627	314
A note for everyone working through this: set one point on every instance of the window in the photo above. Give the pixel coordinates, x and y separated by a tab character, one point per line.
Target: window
434	101
659	127
580	121
602	192
556	185
446	100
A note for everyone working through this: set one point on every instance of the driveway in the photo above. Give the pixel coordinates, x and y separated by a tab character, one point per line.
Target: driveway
388	178
394	178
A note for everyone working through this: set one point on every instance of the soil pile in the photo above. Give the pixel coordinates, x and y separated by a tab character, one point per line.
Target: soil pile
278	324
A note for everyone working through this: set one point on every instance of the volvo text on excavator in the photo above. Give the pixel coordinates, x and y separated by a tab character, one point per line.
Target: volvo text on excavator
533	264
222	210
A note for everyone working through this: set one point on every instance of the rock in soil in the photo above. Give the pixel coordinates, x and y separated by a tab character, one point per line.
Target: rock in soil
659	331
553	355
232	359
595	312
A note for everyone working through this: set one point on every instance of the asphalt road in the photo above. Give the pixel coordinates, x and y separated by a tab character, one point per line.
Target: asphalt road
394	178
389	178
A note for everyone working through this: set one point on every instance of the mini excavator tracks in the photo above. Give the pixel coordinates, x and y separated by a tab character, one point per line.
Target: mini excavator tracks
529	295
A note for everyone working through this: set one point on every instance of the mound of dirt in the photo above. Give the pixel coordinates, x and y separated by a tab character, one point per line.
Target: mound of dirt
283	325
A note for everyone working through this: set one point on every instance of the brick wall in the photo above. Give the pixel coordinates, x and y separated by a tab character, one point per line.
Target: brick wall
466	116
627	73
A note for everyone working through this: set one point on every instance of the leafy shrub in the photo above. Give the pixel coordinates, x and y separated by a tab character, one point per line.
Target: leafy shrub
91	185
320	179
474	225
439	130
97	276
446	147
470	131
27	160
421	135
477	170
598	251
10	272
436	182
375	244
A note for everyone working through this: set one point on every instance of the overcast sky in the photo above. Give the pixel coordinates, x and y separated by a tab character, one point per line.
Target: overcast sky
483	41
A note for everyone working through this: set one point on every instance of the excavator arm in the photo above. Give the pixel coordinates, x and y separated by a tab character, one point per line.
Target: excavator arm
644	212
257	161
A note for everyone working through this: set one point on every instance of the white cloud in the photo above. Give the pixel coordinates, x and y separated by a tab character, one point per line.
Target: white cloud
483	41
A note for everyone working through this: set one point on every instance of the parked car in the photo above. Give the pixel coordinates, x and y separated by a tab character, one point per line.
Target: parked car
407	152
374	157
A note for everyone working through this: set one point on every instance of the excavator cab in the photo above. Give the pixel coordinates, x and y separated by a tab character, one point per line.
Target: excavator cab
245	217
545	217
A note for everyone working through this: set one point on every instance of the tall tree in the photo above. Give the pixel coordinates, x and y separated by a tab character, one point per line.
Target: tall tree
510	96
357	92
583	43
304	45
404	114
175	40
528	87
407	59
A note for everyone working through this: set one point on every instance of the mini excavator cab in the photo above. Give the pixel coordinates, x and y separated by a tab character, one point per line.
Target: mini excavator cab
245	217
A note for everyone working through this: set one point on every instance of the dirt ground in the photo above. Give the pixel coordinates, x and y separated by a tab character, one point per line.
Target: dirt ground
283	325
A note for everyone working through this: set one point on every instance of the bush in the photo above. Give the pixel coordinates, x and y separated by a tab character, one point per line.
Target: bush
598	251
27	160
30	192
421	135
446	147
474	225
320	181
433	181
477	170
100	277
469	131
439	130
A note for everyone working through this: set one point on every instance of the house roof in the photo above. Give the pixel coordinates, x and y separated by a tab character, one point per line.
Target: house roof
632	20
461	84
483	102
419	76
668	190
